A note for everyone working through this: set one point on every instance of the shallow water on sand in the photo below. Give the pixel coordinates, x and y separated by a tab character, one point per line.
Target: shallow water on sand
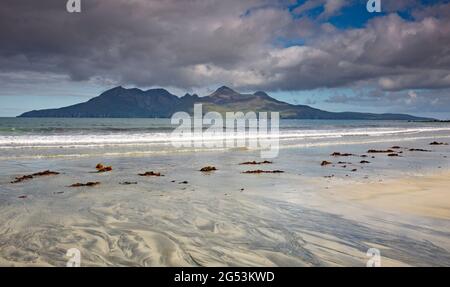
223	218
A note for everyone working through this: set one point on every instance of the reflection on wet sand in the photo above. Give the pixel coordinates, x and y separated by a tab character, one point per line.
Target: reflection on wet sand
202	228
309	215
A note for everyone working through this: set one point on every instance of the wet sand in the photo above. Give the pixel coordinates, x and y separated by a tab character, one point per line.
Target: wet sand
309	215
188	225
425	196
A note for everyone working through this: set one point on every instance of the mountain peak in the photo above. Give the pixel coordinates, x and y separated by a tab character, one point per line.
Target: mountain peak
157	90
118	88
224	90
119	91
114	91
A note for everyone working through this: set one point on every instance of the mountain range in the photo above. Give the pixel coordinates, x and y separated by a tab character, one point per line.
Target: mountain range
120	102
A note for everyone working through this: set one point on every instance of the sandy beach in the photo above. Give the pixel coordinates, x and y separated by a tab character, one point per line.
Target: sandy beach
424	196
308	214
333	224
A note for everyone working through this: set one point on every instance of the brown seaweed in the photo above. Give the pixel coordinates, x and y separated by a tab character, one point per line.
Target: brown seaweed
151	173
208	169
262	171
31	176
380	151
325	163
341	154
89	184
256	163
101	168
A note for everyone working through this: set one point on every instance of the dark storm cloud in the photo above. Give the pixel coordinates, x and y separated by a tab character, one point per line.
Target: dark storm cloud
191	44
142	42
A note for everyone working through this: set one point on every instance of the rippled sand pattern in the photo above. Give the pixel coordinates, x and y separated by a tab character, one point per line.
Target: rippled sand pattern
307	216
202	228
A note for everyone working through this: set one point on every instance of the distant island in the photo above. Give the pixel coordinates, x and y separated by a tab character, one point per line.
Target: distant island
120	102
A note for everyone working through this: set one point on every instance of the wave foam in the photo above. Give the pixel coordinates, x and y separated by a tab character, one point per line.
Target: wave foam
136	139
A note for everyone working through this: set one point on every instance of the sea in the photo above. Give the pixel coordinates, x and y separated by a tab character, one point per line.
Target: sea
35	138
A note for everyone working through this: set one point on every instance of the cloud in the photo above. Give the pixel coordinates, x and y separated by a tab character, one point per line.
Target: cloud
197	44
310	102
339	99
308	5
408	101
141	42
433	79
399	5
330	7
437	11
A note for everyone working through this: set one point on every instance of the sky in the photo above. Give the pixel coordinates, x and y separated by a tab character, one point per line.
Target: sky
330	54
